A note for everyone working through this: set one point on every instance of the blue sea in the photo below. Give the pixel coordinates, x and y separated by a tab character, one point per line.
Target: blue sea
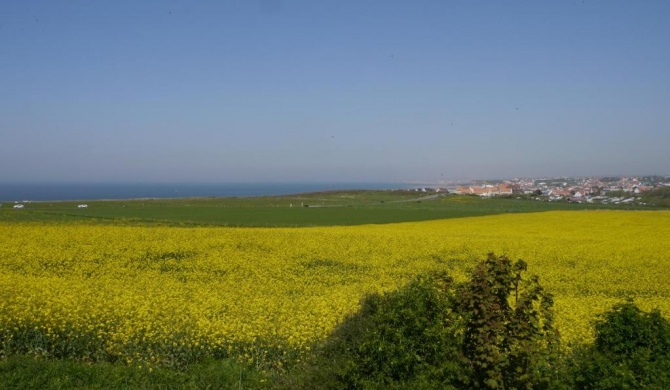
84	191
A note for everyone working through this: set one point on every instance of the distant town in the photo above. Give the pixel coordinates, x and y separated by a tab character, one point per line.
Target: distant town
615	190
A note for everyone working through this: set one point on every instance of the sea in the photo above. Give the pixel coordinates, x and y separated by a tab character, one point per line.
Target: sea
19	192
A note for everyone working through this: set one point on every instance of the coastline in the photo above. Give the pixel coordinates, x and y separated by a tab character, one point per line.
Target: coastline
108	192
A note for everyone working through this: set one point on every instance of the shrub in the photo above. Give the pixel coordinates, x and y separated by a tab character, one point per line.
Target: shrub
631	351
510	341
403	339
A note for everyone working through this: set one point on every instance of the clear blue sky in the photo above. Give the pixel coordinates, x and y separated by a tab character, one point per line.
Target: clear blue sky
332	90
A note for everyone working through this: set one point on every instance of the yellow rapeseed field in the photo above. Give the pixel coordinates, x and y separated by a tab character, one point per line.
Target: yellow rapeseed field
172	295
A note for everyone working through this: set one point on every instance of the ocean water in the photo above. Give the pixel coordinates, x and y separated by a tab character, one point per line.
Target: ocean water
11	192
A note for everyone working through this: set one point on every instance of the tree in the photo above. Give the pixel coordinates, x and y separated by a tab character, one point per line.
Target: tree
510	340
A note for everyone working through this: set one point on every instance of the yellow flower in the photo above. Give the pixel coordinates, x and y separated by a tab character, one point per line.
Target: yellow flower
145	294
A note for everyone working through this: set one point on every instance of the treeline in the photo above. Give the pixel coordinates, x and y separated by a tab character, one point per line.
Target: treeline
657	197
495	331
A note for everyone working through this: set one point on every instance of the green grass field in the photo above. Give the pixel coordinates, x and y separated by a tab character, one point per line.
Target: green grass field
29	373
315	209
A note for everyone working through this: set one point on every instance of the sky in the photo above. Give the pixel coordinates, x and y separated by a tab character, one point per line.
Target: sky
332	91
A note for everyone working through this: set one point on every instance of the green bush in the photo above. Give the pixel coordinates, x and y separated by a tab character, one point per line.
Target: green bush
403	339
510	341
631	351
398	337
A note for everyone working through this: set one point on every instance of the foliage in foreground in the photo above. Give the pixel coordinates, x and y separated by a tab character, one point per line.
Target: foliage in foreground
495	331
20	372
397	340
510	340
631	351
